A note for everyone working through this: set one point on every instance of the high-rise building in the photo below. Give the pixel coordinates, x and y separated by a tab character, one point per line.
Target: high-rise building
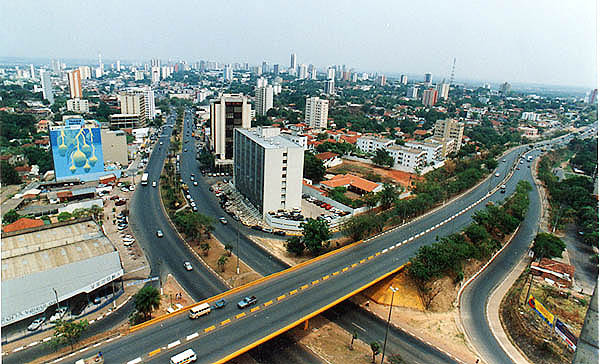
155	74
46	86
381	80
74	77
430	97
265	67
261	82
428	78
450	129
592	96
293	61
276	69
443	90
355	77
133	103
330	73
505	88
302	72
404	79
79	106
85	72
227	112
412	92
118	66
316	112
330	87
264	99
148	95
227	73
268	169
313	74
31	71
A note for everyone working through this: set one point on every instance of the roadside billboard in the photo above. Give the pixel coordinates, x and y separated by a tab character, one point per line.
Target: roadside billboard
563	331
77	151
546	315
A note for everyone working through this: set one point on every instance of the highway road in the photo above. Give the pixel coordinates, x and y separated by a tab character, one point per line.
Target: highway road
316	285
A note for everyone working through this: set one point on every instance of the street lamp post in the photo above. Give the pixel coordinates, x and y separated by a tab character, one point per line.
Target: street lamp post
56	295
387	328
237	269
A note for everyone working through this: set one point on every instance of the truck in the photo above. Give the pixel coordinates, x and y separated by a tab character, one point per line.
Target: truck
247	301
144	179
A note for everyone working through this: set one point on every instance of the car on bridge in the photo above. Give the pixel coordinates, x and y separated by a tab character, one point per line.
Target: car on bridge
223	220
220	303
247	301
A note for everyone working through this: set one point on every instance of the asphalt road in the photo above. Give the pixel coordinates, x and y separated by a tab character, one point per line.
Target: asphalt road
238	333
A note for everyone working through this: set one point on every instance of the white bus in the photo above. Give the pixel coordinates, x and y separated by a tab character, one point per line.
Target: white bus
199	310
144	179
185	357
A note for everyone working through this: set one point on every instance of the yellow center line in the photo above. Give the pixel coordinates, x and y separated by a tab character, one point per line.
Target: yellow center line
280	297
378	253
210	328
240	315
154	352
294	291
268	303
304	286
370	257
326	277
255	309
315	282
225	322
361	261
335	273
345	269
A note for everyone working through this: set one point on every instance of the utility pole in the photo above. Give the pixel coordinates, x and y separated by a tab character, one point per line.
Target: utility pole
237	269
387	328
56	295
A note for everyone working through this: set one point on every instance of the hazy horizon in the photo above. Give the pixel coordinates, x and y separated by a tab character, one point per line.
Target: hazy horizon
546	43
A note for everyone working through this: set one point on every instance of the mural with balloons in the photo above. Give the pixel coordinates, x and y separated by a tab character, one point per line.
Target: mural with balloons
77	151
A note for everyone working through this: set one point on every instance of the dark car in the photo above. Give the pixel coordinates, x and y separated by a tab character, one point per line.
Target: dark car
279	232
257	227
220	303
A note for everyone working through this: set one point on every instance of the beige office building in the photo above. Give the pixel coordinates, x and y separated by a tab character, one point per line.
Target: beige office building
228	112
133	103
74	77
450	129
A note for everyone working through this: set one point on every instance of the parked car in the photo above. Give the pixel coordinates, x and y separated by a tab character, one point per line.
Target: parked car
247	301
223	220
36	324
120	202
267	230
153	183
279	232
257	227
59	314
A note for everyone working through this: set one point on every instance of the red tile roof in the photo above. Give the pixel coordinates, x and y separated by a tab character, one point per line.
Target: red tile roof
350	180
23	223
349	138
420	132
326	155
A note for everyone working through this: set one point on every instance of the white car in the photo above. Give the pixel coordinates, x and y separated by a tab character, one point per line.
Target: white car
59	314
188	266
497	175
195	183
159	233
154	184
36	324
223	220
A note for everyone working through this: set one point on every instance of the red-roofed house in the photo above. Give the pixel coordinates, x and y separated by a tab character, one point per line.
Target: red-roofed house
42	126
329	159
22	224
352	183
562	274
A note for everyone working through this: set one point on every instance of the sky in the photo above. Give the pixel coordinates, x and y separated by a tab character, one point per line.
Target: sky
541	41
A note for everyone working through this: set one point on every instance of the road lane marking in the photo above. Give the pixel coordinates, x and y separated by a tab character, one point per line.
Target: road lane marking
240	315
135	361
360	328
210	328
294	291
47	339
270	302
254	309
154	352
225	322
280	297
304	286
173	344
361	261
335	273
344	269
18	349
377	254
192	336
369	257
325	277
386	250
354	265
315	282
96	345
33	344
82	350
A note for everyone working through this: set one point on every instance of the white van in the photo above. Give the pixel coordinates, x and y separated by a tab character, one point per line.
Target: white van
185	357
199	310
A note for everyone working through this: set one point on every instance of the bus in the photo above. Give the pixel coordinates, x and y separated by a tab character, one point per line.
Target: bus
144	179
185	357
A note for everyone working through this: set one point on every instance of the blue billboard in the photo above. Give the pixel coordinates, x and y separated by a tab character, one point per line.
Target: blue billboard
77	152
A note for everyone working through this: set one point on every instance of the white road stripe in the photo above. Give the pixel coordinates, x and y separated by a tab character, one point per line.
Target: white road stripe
18	349
173	344
384	250
96	345
33	344
47	339
135	361
397	245
359	327
190	337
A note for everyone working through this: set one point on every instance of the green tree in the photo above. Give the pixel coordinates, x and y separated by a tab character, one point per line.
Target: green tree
546	245
371	199
222	261
313	168
476	233
295	245
316	235
375	348
64	216
205	248
68	332
10	216
9	175
383	158
388	196
146	300
229	249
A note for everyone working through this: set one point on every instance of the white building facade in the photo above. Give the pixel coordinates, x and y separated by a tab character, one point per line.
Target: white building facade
316	112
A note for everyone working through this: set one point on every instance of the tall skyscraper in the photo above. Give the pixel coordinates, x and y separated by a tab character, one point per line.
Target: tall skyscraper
155	74
46	86
264	99
265	67
412	92
381	80
404	79
261	82
227	73
149	107
592	96
316	112
430	97
443	90
293	61
31	71
85	72
330	87
74	77
276	69
428	78
302	72
330	73
227	112
313	74
133	103
505	88
450	129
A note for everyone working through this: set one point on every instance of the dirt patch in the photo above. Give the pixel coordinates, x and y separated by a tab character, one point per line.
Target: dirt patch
172	296
229	271
331	342
366	170
529	332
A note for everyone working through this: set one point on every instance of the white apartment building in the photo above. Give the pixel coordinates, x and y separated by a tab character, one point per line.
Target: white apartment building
301	140
303	72
407	159
155	74
412	92
369	144
443	90
330	87
227	112
450	129
46	86
74	77
434	151
133	103
316	113
148	95
530	115
264	99
86	72
268	169
78	105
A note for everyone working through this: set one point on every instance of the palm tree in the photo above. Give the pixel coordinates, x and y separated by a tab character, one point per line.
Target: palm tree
146	300
221	262
229	248
205	248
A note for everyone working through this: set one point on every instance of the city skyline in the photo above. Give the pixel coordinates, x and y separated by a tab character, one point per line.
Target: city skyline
551	43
